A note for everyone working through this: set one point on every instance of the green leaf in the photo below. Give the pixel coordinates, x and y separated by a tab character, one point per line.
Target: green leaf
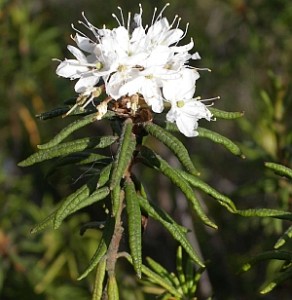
48	221
180	271
161	165
159	269
68	130
156	278
96	196
173	229
73	200
220	139
68	148
267	255
124	154
280	169
57	112
141	191
104	175
102	247
99	278
112	289
221	114
159	280
282	240
265	212
174	144
198	183
279	278
80	200
134	225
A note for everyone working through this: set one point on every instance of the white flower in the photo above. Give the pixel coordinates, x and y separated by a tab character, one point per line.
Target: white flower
123	49
133	60
185	110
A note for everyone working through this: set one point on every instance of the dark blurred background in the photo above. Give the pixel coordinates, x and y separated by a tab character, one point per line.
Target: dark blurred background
247	45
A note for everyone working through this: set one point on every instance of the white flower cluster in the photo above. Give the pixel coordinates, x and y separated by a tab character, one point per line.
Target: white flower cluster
134	60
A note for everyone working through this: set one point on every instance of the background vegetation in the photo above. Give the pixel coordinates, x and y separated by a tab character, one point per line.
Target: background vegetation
247	44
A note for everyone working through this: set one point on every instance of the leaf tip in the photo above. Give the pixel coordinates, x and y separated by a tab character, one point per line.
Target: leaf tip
42	147
22	163
246	267
279	243
268	288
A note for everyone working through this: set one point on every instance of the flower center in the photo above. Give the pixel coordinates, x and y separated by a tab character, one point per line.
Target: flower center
180	103
122	68
98	65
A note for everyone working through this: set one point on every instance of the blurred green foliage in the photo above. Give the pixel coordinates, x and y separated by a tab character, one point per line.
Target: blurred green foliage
247	44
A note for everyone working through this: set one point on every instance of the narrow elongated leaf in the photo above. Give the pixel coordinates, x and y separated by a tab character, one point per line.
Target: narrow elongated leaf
104	175
227	115
102	247
156	278
173	229
280	169
174	144
112	289
134	226
68	148
57	112
96	196
99	278
80	201
190	280
282	240
158	163
159	269
65	132
141	191
72	201
180	271
273	254
48	221
198	183
159	280
220	139
99	253
124	155
265	212
281	277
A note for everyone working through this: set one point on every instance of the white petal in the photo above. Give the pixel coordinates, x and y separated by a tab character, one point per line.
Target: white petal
70	68
77	53
172	115
196	109
84	43
196	55
184	48
132	86
187	126
158	57
86	82
173	36
182	88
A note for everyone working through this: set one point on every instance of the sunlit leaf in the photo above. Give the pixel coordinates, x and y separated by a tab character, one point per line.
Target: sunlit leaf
127	144
134	226
174	144
68	148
